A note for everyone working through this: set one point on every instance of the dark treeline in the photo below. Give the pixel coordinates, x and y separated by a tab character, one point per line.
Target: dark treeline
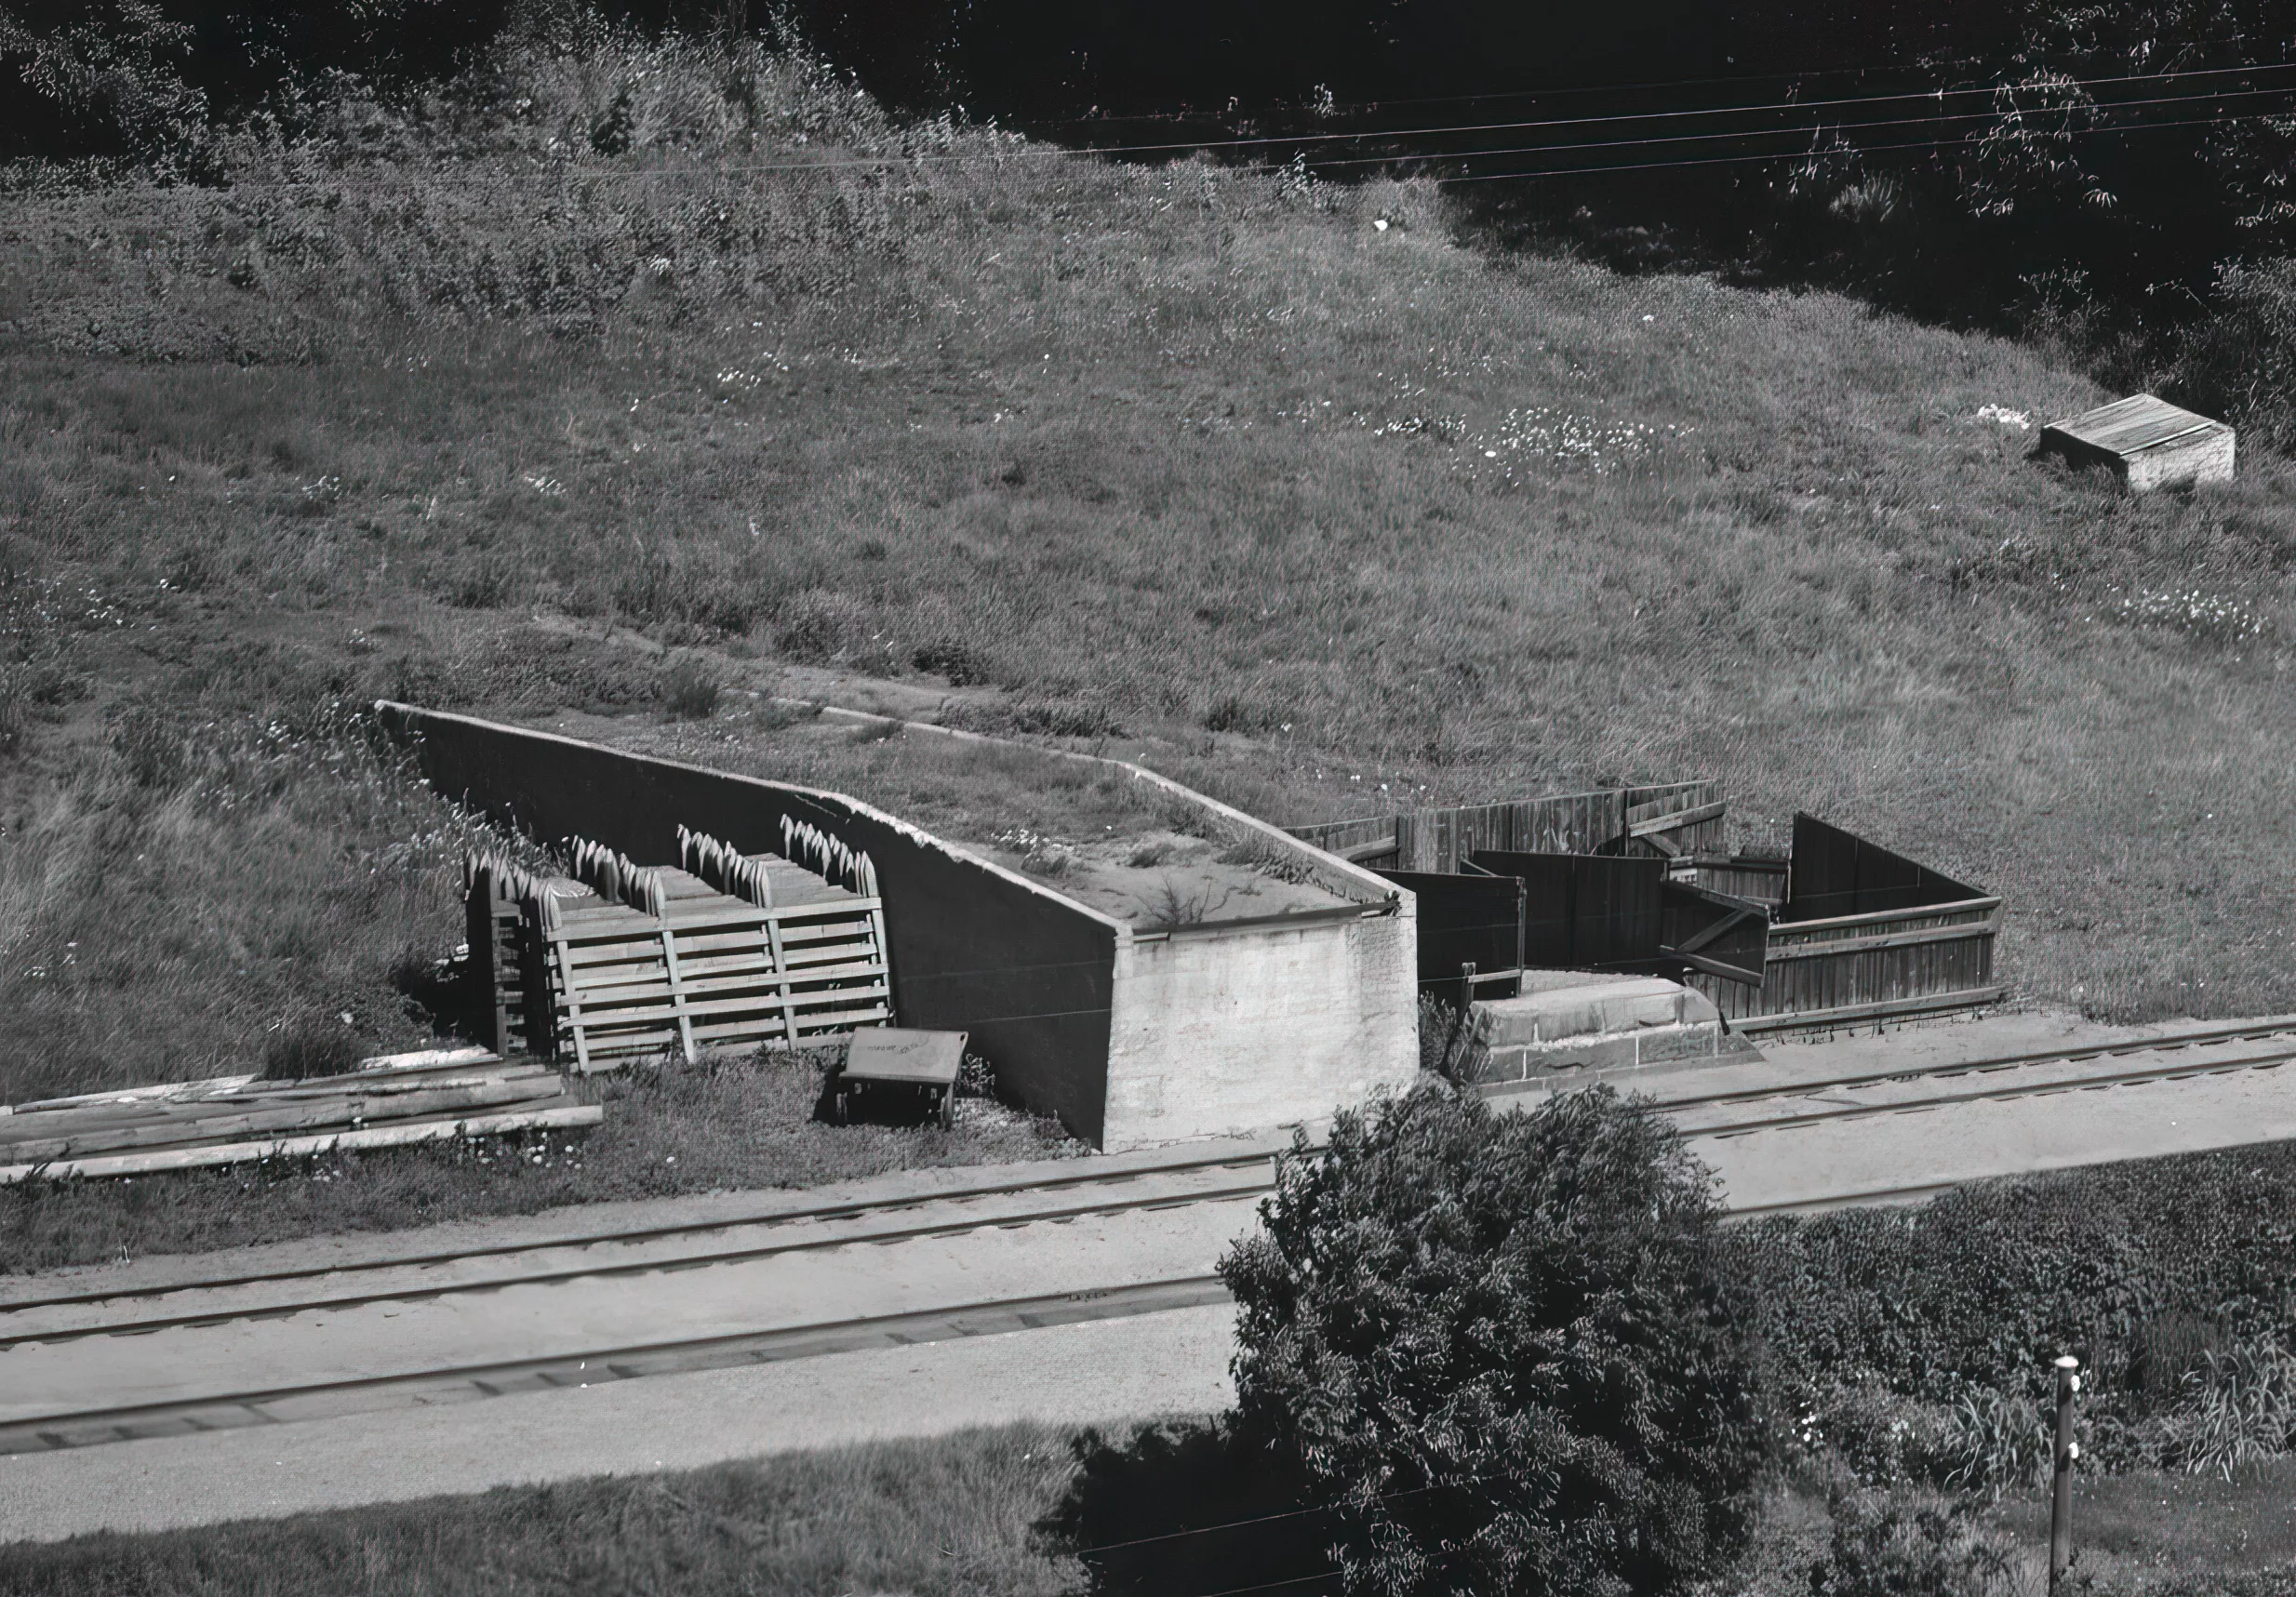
2113	176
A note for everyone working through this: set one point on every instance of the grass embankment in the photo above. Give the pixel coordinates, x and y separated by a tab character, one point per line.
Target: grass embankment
949	1516
956	1515
729	1123
1335	517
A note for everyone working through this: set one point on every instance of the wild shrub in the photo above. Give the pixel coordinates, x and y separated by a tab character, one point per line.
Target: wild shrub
1169	907
1506	1347
960	662
815	628
1268	858
1910	1545
1188	1506
2238	1408
1451	1045
2000	1438
691	689
2165	1349
154	747
1983	1286
1881	1437
2240	362
309	1043
1230	713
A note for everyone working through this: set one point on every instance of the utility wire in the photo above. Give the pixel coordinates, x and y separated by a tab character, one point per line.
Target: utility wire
1052	151
1268	167
1937	93
1286	1515
1274	1585
1779	132
1815	154
1929	65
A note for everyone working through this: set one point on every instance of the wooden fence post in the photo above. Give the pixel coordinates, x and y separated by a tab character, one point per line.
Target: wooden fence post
2060	1485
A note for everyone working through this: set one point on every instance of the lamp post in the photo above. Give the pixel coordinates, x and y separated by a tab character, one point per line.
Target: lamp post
2060	1486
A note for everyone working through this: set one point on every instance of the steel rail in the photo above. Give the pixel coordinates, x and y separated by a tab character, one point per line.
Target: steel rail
1998	1091
2247	1032
819	1212
954	1226
959	1224
598	1365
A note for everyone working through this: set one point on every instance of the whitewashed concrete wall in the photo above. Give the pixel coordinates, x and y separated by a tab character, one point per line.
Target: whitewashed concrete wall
1217	1031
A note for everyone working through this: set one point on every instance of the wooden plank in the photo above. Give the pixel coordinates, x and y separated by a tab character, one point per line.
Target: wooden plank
661	1013
1674	821
1379	848
633	938
1729	923
133	1095
678	990
163	1093
402	1135
569	994
1735	973
1961	907
1988	927
59	1141
1857	1014
331	1089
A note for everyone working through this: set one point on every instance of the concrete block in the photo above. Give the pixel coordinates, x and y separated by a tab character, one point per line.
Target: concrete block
1590	1009
1699	1039
1620	1052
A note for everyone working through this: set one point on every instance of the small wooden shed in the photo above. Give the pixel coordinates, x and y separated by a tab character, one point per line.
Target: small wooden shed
2147	442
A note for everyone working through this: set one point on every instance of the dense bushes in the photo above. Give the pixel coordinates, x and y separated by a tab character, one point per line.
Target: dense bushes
1477	1352
2241	361
1989	1282
1505	1344
1477	1346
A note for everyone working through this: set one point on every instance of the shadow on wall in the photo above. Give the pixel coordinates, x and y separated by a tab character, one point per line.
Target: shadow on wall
974	949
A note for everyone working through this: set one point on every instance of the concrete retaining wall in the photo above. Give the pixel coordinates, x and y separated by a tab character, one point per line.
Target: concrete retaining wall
974	947
1228	1030
1130	1037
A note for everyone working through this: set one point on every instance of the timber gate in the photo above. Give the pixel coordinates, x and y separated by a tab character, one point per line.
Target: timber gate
1835	932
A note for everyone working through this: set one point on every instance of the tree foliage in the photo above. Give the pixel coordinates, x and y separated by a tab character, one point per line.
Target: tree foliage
1504	1346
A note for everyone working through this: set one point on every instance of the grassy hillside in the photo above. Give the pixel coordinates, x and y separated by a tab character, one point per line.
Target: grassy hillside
1207	462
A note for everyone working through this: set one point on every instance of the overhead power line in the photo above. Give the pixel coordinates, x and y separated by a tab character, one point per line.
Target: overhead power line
1813	155
1646	140
1818	127
1935	94
1929	65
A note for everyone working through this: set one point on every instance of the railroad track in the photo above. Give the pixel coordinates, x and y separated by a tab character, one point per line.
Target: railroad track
1258	1180
385	1290
1228	1175
286	1404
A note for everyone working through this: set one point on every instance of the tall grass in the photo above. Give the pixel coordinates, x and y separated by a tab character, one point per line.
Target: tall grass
1339	517
948	1517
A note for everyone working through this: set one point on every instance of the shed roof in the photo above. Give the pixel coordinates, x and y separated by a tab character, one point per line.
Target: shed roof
2139	422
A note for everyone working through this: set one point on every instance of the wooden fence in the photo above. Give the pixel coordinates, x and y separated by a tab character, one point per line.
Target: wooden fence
1862	935
1583	911
1675	819
1465	920
1840	933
